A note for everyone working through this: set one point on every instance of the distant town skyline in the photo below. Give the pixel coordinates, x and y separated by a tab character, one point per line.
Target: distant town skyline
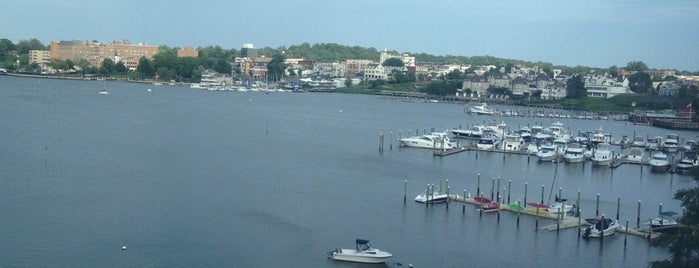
662	34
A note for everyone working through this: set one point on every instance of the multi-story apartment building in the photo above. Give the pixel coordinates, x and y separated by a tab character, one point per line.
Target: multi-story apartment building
354	68
41	57
95	52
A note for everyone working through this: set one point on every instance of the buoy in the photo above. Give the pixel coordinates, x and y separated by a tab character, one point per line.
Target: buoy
149	90
123	247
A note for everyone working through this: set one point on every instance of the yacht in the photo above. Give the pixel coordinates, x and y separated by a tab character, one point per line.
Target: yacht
671	143
603	227
638	142
654	144
636	155
363	252
689	145
658	162
574	153
513	142
689	160
599	136
526	134
561	145
488	142
434	140
475	132
480	108
547	153
603	155
558	131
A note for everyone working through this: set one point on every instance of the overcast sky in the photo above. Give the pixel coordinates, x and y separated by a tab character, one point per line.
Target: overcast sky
663	34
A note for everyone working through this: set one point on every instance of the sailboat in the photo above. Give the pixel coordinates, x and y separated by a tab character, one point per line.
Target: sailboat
104	87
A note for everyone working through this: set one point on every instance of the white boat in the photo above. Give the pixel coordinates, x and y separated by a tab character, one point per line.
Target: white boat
526	134
636	155
434	140
560	207
557	130
638	142
561	145
475	132
364	252
689	145
480	108
658	162
489	142
666	221
671	143
574	153
654	144
432	197
513	142
604	227
689	160
547	153
599	136
602	155
104	92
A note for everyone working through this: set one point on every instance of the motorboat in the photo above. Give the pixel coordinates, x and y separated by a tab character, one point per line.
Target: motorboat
499	129
489	142
558	131
658	162
364	252
560	206
526	134
666	221
602	155
547	153
492	206
654	144
480	108
431	197
474	132
636	155
689	160
574	153
513	142
104	92
434	140
638	141
689	145
561	145
603	227
599	136
671	143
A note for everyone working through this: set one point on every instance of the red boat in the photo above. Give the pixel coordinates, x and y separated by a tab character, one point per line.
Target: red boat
537	205
481	199
490	206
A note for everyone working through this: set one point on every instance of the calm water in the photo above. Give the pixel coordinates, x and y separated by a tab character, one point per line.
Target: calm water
186	178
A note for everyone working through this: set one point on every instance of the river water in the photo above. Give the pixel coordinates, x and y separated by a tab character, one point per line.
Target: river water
186	177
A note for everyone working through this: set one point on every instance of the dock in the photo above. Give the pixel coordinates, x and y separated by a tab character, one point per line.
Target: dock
563	221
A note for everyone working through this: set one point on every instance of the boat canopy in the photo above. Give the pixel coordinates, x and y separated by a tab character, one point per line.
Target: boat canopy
362	241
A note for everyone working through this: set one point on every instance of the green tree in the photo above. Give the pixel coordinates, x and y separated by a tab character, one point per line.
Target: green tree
108	66
348	82
455	75
121	68
640	82
683	243
393	62
576	87
6	46
24	46
685	95
276	67
223	66
637	66
145	67
196	73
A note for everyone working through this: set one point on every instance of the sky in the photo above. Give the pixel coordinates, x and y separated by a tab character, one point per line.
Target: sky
662	34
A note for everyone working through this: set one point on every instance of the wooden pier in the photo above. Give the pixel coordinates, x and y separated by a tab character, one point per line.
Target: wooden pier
563	221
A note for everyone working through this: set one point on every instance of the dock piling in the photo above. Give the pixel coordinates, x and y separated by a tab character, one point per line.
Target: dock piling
380	142
597	206
463	209
626	234
618	206
525	195
509	188
492	189
405	191
478	185
498	190
638	215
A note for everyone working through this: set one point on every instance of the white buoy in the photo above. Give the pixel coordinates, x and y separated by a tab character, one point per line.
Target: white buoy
149	90
123	247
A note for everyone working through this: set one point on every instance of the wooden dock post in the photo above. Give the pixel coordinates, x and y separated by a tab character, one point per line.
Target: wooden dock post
560	195
601	237
492	189
577	211
498	190
405	191
380	142
480	203
660	208
519	211
525	195
447	197
509	189
638	215
478	185
498	209
626	234
390	141
618	206
427	195
463	209
597	206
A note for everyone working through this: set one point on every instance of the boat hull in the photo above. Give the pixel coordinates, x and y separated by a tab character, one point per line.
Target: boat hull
437	198
354	256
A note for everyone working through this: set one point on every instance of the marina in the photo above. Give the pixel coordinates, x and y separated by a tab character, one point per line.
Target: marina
177	174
